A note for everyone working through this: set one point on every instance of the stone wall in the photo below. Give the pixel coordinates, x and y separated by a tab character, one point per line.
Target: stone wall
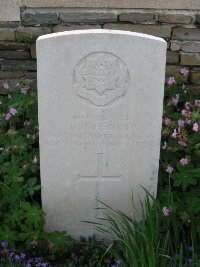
180	28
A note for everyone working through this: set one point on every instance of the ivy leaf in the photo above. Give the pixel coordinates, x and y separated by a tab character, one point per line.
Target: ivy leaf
32	186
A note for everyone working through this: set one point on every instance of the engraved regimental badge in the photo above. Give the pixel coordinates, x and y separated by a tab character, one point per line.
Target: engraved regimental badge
100	78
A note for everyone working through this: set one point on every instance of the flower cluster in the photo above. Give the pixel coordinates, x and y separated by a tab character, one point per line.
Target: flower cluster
20	258
117	263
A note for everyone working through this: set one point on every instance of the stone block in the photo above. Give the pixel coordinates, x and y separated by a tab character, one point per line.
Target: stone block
98	90
195	77
30	74
7	35
175	71
191	47
175	46
175	18
10	10
11	54
13	46
13	65
11	74
186	34
38	18
9	24
33	51
62	28
172	57
137	17
156	30
92	16
30	34
195	89
192	59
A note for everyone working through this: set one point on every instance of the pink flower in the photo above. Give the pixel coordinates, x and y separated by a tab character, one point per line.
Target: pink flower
169	169
1	148
8	116
181	123
182	143
175	100
164	146
197	103
174	135
184	161
184	72
171	81
165	211
188	105
195	127
186	113
6	85
167	121
24	90
9	96
13	111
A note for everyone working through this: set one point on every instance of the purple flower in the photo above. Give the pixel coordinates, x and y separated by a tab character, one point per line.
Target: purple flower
195	127
24	90
165	211
190	248
13	111
185	72
6	85
184	161
8	116
169	169
17	258
44	264
197	103
4	244
23	256
171	81
118	262
189	260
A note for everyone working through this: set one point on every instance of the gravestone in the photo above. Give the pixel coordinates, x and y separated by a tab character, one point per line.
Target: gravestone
100	110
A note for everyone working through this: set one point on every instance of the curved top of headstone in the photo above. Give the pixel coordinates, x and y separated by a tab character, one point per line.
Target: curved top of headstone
101	31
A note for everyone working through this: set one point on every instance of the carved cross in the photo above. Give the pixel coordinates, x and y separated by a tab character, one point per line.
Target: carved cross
100	176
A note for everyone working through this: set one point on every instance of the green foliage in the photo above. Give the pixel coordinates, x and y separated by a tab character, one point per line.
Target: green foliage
180	149
22	219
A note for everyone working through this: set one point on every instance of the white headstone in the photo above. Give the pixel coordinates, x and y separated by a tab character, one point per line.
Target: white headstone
100	110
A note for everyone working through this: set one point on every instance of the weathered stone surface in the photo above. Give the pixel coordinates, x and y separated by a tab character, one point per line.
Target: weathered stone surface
155	4
175	46
191	47
33	51
186	34
30	75
175	71
172	57
30	34
93	89
195	89
13	46
175	18
195	77
190	59
7	35
62	28
9	10
11	74
18	65
10	54
9	24
91	16
137	17
38	18
157	30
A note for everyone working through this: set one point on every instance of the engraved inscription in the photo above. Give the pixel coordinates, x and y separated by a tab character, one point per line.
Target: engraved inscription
100	78
99	176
